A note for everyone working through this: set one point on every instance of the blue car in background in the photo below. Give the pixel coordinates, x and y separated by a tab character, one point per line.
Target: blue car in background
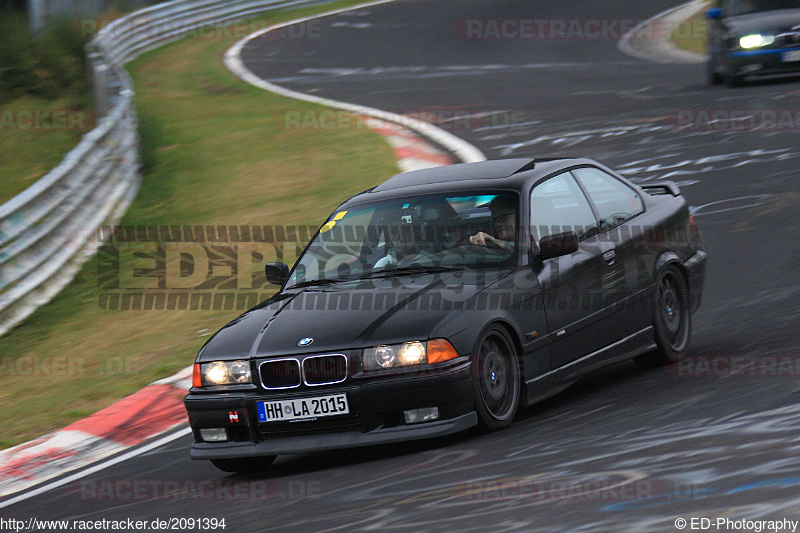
753	38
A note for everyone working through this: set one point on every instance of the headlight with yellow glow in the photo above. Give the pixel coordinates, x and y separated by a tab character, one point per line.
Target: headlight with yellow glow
756	40
225	373
408	354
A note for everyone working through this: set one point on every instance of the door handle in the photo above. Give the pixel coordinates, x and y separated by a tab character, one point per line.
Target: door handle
609	256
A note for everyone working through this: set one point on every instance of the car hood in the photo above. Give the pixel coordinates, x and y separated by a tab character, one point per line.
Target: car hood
765	22
347	315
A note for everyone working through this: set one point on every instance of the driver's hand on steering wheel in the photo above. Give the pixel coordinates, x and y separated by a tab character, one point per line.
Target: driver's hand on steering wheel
484	239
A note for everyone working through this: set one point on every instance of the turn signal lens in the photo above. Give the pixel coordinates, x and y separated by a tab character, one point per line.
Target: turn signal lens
197	380
440	350
694	230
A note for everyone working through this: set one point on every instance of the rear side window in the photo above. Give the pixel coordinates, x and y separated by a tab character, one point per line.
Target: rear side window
558	205
615	201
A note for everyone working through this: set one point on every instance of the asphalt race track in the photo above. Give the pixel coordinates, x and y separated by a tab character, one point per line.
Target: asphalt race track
625	449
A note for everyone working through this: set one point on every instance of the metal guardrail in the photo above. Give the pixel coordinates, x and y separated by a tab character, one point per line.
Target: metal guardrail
49	230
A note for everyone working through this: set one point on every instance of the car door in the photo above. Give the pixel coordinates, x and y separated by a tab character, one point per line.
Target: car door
625	278
571	285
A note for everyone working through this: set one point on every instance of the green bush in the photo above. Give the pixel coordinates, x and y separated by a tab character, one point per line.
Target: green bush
51	65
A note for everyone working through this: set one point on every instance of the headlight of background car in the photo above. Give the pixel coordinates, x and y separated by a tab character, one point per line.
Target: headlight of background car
756	40
221	373
408	354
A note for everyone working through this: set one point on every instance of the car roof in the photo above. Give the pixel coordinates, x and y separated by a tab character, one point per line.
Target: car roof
501	174
502	168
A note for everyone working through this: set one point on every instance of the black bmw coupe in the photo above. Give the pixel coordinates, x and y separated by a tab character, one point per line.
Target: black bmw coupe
445	299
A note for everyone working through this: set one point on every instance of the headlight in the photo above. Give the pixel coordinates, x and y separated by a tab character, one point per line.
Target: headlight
408	354
225	373
756	40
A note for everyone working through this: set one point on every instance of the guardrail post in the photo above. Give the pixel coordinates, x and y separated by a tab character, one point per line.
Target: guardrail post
98	70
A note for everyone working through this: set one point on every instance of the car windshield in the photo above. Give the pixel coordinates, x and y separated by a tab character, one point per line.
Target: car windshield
742	7
408	235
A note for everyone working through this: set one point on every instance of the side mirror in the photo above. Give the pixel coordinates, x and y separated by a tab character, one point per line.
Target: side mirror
277	273
714	13
558	244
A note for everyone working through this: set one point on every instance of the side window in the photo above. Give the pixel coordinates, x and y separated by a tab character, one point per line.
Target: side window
558	205
614	200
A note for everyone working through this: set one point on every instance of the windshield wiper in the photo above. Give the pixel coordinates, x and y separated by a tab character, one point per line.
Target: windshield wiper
412	269
319	281
407	270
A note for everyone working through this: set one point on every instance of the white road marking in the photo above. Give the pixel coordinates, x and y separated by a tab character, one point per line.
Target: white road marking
463	150
753	200
307	75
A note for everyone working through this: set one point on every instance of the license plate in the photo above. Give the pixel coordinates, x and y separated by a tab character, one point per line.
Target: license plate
298	409
792	55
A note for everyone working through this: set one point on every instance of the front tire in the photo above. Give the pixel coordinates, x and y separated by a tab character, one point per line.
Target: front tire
496	380
672	319
714	77
244	465
733	81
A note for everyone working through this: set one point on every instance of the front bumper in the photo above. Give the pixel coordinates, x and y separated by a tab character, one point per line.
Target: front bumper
763	62
696	272
376	415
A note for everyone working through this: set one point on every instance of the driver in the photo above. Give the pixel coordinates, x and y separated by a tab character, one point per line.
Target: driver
504	222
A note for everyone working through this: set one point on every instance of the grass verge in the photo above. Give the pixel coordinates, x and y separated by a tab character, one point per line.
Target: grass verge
215	151
35	135
45	102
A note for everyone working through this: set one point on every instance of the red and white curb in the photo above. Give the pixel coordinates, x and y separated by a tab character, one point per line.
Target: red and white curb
640	42
411	151
151	411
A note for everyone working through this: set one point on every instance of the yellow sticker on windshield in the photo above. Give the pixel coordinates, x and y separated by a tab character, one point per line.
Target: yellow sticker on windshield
332	222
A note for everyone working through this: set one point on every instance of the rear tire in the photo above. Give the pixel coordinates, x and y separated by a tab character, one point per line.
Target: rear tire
672	319
496	380
244	465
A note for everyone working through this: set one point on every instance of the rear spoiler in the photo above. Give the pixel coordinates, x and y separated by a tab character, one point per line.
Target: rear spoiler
661	187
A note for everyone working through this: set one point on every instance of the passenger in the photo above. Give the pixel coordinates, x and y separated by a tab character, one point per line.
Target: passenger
404	250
